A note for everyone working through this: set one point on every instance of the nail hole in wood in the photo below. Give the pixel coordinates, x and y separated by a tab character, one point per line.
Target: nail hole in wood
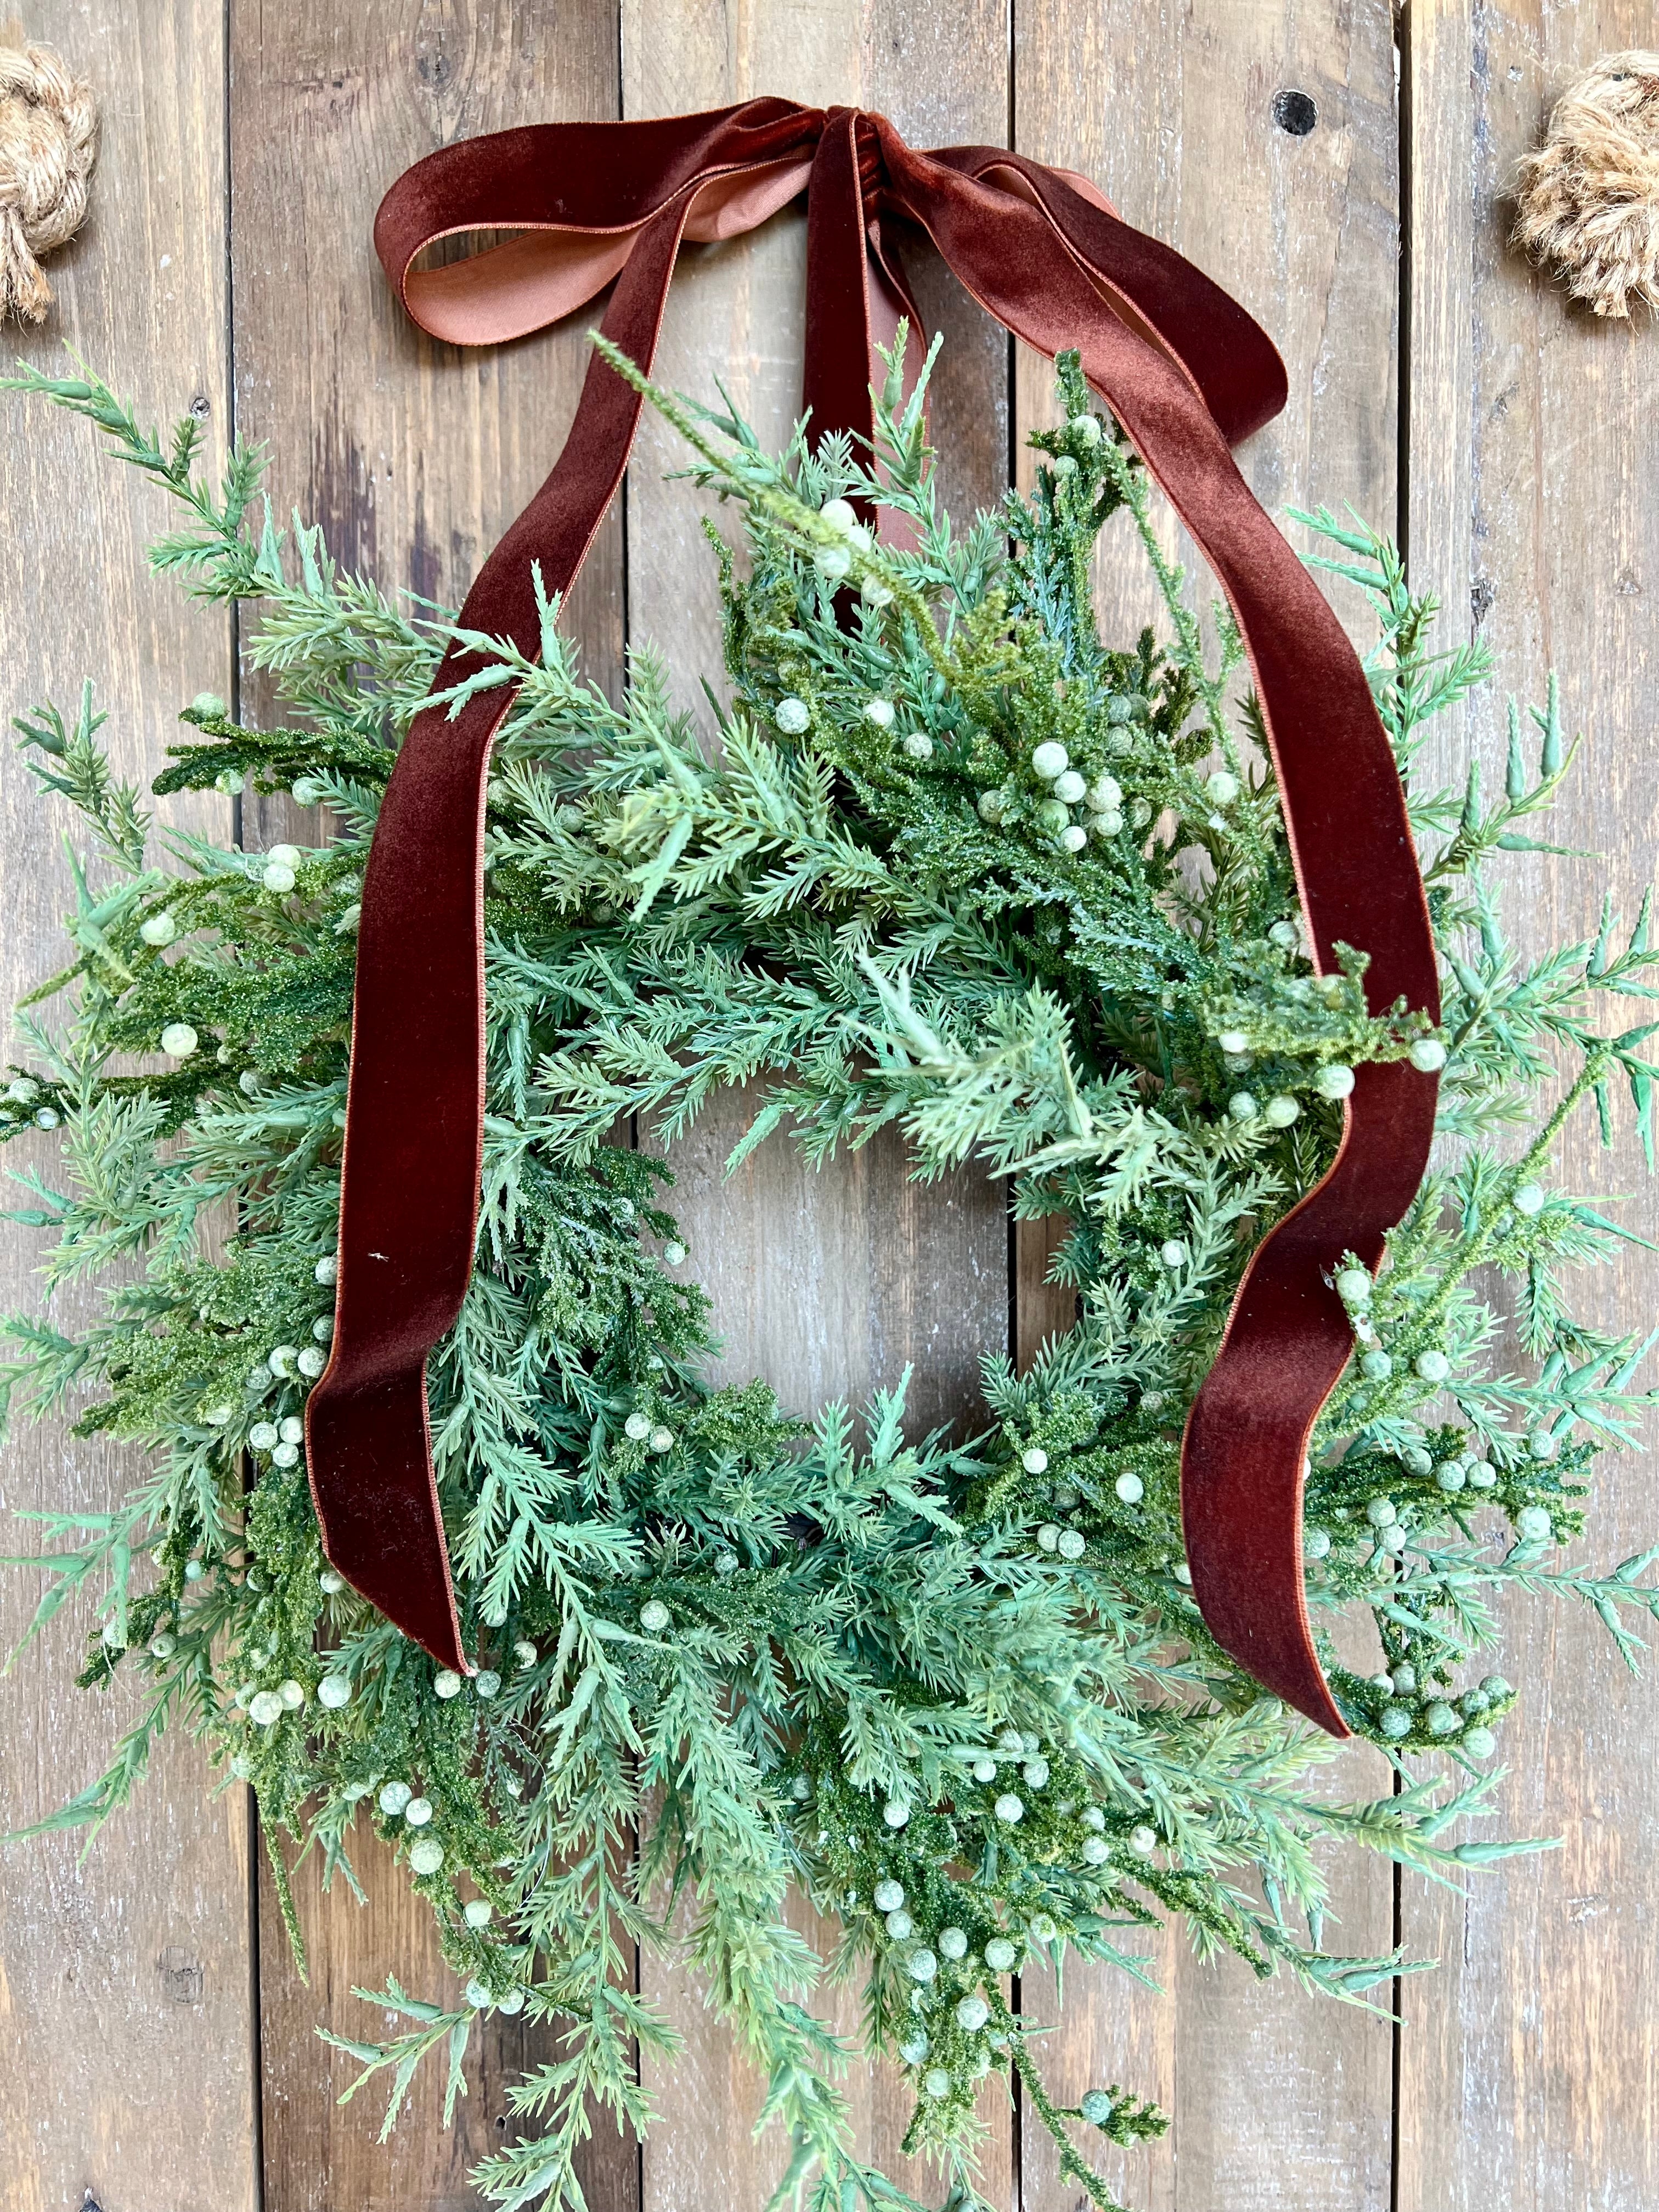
1295	111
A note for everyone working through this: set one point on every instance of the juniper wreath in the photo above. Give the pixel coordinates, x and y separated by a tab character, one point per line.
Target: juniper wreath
962	867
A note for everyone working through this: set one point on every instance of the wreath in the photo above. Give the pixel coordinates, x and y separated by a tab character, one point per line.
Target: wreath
956	865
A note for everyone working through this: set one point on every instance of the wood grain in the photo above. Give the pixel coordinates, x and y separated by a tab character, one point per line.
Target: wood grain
1527	2064
415	457
126	1983
1277	2100
827	1284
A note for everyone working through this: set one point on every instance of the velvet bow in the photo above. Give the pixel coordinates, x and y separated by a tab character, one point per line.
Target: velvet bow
1188	374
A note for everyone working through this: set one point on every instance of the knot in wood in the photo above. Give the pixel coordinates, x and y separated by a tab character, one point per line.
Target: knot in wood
48	147
1589	197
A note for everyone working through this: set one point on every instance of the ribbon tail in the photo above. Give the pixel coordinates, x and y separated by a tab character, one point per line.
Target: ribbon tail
856	299
1288	1338
414	1137
383	1528
1060	279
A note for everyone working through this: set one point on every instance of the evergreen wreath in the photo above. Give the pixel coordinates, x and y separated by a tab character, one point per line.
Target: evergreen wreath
957	865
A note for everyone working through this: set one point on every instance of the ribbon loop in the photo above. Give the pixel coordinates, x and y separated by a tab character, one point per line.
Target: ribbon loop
1187	372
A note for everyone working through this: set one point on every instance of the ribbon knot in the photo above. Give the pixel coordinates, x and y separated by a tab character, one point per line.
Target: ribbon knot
1187	372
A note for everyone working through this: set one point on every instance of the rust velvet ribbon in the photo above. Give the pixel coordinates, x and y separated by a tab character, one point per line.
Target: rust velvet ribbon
1188	374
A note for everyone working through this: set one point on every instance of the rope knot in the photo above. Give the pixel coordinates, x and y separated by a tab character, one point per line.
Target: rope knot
48	147
1589	197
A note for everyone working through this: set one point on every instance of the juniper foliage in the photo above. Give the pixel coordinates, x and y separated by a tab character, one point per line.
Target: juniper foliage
956	864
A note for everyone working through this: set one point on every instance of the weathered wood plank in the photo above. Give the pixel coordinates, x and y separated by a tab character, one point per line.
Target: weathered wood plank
415	457
1277	2100
125	1983
829	1284
1527	2064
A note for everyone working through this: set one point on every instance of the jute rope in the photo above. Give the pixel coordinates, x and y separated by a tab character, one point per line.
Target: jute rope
1589	197
48	145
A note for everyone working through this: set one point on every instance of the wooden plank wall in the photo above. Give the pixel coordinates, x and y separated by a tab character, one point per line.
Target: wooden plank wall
1528	2064
155	2052
126	2016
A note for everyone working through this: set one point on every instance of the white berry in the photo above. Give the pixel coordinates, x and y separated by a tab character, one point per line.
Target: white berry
178	1040
446	1683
